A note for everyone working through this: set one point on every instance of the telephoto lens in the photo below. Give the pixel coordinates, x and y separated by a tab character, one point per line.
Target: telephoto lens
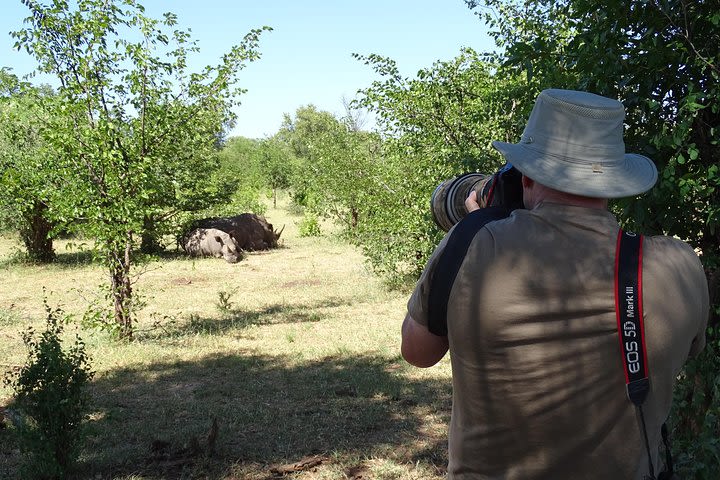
501	189
448	200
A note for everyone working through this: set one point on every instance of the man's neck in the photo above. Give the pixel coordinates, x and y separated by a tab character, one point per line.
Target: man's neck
573	200
535	193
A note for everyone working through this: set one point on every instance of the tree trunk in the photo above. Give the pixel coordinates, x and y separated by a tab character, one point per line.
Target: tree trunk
122	288
150	240
274	197
35	234
354	217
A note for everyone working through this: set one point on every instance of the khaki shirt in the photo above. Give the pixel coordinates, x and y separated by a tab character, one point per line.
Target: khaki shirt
538	381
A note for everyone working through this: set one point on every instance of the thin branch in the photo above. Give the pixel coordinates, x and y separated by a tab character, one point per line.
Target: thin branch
143	150
685	33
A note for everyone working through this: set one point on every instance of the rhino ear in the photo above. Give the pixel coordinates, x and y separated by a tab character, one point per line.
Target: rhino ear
219	240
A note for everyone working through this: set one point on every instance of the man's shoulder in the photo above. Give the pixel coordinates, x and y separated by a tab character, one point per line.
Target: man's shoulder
663	244
672	255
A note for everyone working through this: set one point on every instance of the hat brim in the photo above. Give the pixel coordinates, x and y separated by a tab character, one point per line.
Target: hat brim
632	175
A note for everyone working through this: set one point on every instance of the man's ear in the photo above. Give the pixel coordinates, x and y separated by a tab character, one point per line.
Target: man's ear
527	182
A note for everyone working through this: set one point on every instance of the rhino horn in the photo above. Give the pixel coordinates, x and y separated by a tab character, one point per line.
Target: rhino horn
277	234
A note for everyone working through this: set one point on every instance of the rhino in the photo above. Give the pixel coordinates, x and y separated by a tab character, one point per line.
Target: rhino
251	232
205	242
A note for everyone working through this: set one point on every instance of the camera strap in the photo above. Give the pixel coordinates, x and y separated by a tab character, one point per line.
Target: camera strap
629	312
451	259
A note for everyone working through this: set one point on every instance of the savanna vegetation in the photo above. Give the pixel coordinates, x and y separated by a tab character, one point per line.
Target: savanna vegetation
292	354
293	351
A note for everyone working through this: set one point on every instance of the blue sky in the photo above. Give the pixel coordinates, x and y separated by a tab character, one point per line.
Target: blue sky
307	58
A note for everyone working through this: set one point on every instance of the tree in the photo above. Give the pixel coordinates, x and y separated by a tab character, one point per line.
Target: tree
660	59
276	165
26	179
434	126
240	176
336	166
183	178
300	133
128	121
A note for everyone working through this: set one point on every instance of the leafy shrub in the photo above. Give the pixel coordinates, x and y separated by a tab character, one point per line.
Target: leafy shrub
309	226
224	304
50	398
695	419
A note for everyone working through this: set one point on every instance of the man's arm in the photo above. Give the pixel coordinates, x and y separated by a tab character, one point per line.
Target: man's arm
420	347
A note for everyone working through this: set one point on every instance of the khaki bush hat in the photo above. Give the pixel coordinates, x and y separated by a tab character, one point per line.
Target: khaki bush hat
573	142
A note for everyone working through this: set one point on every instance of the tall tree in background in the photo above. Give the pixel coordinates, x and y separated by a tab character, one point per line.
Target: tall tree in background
661	59
183	177
240	177
336	165
129	119
300	132
27	178
276	165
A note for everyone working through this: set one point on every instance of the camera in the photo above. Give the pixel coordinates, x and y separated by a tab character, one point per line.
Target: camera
500	189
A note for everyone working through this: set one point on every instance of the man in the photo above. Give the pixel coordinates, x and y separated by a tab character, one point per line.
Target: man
538	381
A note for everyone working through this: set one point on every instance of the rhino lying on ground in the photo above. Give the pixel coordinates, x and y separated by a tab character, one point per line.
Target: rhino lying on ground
250	231
205	242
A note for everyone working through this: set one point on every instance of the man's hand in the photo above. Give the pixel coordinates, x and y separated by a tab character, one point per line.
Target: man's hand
471	203
420	347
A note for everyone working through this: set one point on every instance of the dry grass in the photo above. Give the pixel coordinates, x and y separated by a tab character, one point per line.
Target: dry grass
294	352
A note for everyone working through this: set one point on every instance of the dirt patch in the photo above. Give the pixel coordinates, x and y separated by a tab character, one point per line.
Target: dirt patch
172	460
358	472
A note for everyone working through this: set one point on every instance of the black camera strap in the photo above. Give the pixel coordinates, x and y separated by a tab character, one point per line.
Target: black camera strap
629	312
628	307
450	261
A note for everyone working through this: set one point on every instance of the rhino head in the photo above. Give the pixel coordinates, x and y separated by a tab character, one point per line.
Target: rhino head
229	250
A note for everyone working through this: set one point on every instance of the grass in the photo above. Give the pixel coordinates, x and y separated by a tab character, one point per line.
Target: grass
293	352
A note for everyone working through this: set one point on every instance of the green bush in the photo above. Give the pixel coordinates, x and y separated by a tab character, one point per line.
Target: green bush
50	399
695	419
309	226
246	200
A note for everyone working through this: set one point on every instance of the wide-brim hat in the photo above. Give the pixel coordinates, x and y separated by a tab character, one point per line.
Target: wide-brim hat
573	142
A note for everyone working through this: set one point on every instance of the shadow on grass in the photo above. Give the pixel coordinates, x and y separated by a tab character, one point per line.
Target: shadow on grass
238	319
75	259
86	257
170	253
63	260
13	258
81	258
154	422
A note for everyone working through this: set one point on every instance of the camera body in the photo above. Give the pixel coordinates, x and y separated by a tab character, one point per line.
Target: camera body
500	189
